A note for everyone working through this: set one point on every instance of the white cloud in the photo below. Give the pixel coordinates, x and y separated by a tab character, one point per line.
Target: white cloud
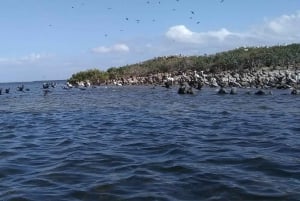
3	60
284	29
112	49
31	58
180	33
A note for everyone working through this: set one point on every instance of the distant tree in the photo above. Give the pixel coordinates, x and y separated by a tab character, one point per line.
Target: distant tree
94	76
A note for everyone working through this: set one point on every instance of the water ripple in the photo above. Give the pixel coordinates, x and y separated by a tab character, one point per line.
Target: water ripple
138	143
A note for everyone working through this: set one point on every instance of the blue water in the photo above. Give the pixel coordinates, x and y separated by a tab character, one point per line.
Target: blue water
140	143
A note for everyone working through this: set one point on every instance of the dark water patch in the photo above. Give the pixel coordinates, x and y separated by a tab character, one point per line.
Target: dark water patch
39	183
12	170
90	195
171	169
19	198
271	167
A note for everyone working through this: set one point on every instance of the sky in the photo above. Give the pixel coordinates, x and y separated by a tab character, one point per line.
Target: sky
51	40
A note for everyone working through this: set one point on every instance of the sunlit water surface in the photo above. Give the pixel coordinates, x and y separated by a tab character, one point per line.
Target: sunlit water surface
140	143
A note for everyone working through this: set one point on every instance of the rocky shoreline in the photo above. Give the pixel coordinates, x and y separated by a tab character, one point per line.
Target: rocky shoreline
263	78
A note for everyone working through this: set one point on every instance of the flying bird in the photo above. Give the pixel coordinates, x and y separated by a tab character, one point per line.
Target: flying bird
193	12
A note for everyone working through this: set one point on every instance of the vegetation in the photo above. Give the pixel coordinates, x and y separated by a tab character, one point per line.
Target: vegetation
94	76
241	59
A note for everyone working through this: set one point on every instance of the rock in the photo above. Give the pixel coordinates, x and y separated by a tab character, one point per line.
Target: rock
260	92
189	91
185	88
181	89
295	92
222	91
233	90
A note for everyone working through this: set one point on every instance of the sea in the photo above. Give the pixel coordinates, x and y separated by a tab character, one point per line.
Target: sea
147	143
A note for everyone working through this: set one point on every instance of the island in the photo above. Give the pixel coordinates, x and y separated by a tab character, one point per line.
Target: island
259	67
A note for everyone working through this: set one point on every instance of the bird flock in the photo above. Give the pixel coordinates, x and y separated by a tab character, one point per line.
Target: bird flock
174	7
21	88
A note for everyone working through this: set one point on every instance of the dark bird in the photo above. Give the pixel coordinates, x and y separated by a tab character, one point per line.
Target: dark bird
7	90
45	85
137	21
198	22
126	18
53	84
221	1
193	12
21	88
